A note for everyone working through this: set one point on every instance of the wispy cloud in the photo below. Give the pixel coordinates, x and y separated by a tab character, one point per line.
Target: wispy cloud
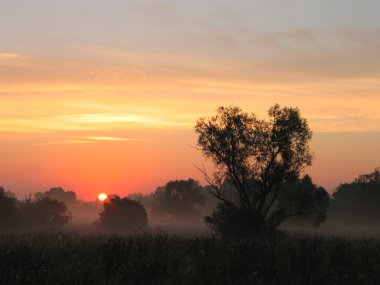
8	55
63	142
125	119
89	139
108	138
95	87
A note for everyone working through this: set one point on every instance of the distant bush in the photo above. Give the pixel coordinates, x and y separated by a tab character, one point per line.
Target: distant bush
41	214
58	193
176	201
44	213
358	202
122	214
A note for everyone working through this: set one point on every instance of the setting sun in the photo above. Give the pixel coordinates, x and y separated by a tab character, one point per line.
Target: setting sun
102	197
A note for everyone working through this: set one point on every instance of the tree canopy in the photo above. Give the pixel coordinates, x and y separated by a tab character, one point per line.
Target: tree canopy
44	213
122	214
177	199
9	214
358	202
258	158
58	193
29	214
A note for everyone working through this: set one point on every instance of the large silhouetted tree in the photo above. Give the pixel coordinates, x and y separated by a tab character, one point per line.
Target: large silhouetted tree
257	158
122	214
177	199
358	202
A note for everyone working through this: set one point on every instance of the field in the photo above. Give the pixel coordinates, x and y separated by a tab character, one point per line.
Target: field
159	258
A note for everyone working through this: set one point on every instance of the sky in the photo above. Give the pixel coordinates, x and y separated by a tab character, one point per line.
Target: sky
102	96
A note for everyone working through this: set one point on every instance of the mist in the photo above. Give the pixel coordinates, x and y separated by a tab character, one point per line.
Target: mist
180	207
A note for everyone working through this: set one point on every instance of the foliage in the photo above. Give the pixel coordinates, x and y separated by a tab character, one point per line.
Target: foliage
258	159
146	199
67	258
122	214
305	199
176	200
301	199
44	213
58	193
81	211
358	202
9	214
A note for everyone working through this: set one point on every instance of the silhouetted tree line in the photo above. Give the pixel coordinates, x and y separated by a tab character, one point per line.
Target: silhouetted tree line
58	193
357	203
81	211
177	201
31	214
183	201
256	187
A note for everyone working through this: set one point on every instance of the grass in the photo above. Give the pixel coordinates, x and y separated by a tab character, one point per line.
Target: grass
159	258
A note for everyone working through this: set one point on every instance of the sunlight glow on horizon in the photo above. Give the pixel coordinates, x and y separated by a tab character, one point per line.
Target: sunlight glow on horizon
102	197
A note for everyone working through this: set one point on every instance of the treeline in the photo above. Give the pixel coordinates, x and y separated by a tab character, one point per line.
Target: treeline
31	214
52	209
182	202
357	203
352	204
179	201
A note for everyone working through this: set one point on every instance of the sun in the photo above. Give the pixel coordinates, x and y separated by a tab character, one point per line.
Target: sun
102	197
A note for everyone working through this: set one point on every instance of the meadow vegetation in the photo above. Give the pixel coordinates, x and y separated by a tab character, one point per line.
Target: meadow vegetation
159	258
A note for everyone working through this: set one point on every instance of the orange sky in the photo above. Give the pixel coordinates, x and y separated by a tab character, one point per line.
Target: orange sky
104	97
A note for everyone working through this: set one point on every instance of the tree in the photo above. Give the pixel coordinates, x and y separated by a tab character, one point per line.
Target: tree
58	193
358	202
9	213
146	200
122	214
306	198
257	158
177	199
44	213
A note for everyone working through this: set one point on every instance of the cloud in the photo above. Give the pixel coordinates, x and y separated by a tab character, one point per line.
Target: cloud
89	139
15	61
63	141
4	55
233	52
107	138
310	54
95	87
120	120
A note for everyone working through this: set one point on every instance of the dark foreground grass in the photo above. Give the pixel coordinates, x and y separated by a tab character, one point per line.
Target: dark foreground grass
158	258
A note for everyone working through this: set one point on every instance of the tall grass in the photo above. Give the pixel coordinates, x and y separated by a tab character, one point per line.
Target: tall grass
159	258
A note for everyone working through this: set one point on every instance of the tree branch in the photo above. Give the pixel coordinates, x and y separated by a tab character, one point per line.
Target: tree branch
217	194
